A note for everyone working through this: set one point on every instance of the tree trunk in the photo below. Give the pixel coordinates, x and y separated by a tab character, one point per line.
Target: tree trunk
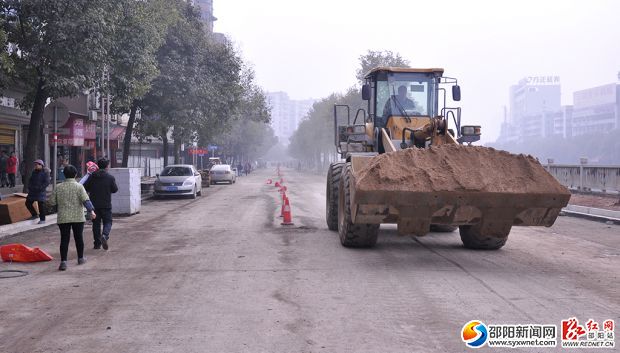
31	152
128	133
177	150
164	139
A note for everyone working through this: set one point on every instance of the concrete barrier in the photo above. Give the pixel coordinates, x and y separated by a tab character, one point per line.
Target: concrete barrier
128	200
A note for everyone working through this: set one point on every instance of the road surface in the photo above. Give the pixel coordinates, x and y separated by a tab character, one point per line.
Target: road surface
219	274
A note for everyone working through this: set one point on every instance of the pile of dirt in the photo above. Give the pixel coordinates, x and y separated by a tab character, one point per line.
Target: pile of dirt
457	168
607	202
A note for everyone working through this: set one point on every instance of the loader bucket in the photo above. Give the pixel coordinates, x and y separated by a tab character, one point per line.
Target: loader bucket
454	185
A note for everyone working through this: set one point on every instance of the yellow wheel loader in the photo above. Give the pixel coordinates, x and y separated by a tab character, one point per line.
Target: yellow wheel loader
409	161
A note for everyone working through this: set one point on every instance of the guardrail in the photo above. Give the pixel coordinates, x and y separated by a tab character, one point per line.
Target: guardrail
605	179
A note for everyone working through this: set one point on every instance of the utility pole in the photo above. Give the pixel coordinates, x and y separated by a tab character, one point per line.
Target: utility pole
108	127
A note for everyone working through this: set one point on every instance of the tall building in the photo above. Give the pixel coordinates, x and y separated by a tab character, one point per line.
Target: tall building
206	14
596	109
286	114
535	110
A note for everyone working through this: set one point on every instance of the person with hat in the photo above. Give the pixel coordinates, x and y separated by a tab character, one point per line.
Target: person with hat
37	190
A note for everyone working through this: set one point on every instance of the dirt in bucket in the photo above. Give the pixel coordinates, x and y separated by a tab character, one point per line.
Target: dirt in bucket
457	168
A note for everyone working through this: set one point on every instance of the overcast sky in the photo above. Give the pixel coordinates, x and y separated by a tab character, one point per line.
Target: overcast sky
310	48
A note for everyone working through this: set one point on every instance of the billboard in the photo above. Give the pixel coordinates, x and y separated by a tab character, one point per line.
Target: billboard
600	95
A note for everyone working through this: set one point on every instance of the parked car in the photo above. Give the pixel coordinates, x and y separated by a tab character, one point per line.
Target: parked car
222	173
178	179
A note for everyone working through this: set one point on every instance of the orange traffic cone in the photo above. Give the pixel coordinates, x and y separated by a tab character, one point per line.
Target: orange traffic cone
282	205
288	217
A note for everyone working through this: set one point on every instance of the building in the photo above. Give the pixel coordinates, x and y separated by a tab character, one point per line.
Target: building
78	122
206	14
596	110
286	114
13	122
535	110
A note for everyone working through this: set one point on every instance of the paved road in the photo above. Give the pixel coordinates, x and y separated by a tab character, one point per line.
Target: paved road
219	274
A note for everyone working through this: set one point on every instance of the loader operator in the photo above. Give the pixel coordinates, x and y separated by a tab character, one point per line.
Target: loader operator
400	103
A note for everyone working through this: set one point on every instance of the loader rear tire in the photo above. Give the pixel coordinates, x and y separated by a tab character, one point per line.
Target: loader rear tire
331	206
441	228
352	235
473	239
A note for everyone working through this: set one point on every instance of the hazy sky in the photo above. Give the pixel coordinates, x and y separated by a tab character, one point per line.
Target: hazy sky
310	48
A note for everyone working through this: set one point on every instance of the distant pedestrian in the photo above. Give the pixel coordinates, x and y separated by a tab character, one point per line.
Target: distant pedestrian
4	160
37	190
239	169
71	199
11	168
101	185
247	168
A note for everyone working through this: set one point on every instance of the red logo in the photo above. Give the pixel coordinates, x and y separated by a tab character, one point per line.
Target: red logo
571	330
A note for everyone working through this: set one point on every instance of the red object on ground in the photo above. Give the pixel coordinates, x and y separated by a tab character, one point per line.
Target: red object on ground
23	253
288	217
269	181
277	184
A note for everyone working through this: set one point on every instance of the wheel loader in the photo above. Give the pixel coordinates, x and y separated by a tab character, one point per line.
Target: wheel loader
409	161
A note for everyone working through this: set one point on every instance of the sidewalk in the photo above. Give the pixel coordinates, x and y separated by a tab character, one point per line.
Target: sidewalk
11	191
8	230
597	214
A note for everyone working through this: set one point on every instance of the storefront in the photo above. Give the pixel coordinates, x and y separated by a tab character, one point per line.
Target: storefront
12	123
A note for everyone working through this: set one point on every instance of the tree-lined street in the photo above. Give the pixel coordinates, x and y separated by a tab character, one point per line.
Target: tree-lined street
219	274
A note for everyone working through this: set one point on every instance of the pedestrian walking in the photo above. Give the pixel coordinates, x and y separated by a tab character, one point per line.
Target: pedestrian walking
239	169
71	198
101	185
4	160
11	169
37	190
247	168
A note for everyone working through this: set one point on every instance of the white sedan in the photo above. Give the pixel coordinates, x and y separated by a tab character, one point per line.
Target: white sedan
179	179
222	173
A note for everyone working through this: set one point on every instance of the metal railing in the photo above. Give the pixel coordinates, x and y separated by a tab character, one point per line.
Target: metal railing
583	177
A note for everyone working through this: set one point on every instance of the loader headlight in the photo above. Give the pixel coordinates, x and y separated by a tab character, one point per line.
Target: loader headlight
470	130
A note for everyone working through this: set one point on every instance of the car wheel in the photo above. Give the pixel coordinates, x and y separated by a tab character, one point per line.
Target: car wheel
199	190
194	194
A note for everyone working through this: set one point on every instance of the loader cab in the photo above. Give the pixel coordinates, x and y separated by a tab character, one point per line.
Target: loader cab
401	92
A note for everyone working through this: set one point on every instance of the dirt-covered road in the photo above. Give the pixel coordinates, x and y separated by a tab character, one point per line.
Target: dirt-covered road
219	274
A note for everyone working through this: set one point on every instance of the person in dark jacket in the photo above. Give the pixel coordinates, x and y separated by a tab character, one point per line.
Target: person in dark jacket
37	190
101	185
3	169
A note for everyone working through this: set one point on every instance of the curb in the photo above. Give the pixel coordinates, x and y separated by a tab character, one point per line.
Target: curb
25	226
595	214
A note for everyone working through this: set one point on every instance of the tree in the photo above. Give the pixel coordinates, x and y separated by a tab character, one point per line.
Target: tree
198	82
141	32
58	48
374	58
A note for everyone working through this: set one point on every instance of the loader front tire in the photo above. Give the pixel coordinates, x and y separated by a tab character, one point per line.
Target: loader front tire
352	235
473	238
442	228
333	183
